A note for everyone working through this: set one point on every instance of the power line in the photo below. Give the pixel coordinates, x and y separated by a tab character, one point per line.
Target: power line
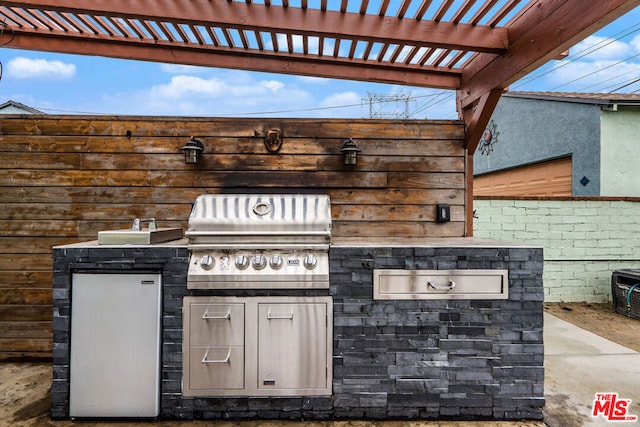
595	72
255	113
439	99
230	114
581	54
585	88
628	84
293	111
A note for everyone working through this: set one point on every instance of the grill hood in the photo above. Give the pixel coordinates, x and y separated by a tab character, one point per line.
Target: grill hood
260	219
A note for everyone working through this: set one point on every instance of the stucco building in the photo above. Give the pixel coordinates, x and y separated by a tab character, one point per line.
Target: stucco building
560	144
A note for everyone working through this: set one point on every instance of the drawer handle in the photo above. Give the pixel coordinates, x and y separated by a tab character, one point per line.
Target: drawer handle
272	317
225	360
206	316
449	287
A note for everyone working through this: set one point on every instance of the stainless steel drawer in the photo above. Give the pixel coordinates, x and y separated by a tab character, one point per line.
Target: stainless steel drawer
217	324
440	284
216	368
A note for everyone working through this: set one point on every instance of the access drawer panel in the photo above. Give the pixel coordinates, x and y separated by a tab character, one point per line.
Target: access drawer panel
440	284
220	368
257	346
218	324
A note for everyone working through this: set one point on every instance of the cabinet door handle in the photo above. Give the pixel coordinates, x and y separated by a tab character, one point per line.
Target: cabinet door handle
449	287
286	317
225	360
206	316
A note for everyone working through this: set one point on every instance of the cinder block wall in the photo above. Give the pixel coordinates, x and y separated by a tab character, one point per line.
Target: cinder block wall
584	239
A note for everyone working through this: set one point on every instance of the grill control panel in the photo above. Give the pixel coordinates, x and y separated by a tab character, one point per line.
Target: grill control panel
300	268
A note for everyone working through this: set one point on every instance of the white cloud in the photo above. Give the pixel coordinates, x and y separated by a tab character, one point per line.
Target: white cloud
226	93
602	48
297	43
636	43
312	80
341	99
272	85
313	45
597	64
187	86
191	86
25	68
233	93
593	76
182	69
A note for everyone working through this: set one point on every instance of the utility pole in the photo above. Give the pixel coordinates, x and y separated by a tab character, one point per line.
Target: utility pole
394	106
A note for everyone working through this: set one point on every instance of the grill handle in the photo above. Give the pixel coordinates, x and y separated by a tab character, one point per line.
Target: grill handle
449	287
225	360
206	316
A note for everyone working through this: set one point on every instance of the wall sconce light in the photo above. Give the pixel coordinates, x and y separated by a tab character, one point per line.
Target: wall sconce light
350	151
192	151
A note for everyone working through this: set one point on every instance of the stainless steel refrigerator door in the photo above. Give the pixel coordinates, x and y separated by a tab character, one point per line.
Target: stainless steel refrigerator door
115	345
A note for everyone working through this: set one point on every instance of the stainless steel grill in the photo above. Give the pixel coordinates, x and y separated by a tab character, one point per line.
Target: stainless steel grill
259	241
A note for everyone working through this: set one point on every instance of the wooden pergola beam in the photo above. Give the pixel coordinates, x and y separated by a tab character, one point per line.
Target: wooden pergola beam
291	20
540	32
537	35
282	63
477	117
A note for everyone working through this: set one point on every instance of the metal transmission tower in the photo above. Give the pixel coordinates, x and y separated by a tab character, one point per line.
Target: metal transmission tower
394	106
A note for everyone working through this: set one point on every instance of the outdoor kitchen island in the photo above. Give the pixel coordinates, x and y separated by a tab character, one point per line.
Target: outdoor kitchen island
392	357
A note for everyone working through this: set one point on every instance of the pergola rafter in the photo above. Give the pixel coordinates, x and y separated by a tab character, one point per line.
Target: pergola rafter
474	47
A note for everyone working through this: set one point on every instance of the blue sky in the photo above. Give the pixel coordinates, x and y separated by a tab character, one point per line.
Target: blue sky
72	84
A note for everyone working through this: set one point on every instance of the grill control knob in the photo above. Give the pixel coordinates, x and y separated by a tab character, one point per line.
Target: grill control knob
242	262
207	262
259	262
310	261
276	262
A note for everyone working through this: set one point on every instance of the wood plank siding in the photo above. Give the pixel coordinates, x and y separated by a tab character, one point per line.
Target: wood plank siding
64	178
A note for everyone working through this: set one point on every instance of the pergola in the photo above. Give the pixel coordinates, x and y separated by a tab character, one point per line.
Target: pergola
476	47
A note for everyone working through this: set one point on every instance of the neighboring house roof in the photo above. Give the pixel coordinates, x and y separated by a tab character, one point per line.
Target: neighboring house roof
14	107
581	98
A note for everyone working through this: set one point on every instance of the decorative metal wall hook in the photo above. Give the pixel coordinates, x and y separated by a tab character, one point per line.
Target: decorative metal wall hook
273	140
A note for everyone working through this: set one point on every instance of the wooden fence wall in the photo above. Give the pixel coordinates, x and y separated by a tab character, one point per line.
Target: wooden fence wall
64	178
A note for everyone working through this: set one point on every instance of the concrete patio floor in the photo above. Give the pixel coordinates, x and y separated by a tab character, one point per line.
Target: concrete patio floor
579	364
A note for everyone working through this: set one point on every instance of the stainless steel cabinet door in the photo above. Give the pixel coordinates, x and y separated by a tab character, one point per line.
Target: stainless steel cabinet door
115	345
257	346
292	346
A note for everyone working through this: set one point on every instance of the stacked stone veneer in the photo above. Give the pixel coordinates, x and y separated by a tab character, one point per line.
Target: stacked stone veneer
392	359
463	359
172	262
